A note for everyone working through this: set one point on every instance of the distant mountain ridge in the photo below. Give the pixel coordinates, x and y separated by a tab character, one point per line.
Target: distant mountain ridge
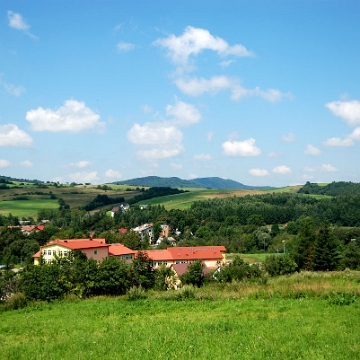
210	182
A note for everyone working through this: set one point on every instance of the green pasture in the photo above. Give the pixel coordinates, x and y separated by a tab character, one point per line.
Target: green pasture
248	258
190	329
26	208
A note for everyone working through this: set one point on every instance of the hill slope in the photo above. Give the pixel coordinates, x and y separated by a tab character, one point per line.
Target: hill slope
211	182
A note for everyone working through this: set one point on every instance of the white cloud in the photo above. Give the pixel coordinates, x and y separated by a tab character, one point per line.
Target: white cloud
176	166
274	154
195	40
272	95
184	114
160	153
73	116
203	157
196	87
226	63
282	169
17	22
83	177
124	47
355	135
328	168
159	140
241	148
338	142
113	174
26	163
288	138
154	134
4	163
258	172
14	90
81	164
309	169
312	150
11	135
349	111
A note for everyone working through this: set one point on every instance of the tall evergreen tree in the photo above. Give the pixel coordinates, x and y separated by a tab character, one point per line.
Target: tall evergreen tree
326	250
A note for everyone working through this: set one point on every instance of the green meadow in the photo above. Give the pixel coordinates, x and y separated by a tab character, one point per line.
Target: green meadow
302	316
26	208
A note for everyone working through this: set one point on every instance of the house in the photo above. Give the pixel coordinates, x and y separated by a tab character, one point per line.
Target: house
122	252
122	231
120	207
165	229
145	230
170	239
28	229
96	249
212	256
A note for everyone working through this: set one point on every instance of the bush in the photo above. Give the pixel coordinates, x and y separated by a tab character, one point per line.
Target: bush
136	293
186	293
279	265
17	301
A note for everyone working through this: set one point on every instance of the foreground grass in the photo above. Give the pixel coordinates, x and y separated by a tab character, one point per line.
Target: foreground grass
292	317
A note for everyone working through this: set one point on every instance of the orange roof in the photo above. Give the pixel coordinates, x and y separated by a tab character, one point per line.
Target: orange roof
158	255
119	249
78	244
183	268
187	253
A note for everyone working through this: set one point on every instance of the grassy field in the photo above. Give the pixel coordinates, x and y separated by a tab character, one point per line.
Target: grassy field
185	200
302	316
26	208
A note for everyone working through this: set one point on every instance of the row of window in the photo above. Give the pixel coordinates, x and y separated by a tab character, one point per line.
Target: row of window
53	252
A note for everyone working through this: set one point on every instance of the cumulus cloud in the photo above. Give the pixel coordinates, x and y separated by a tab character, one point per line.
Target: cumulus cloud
4	163
124	47
26	163
83	177
328	168
282	169
17	22
113	174
338	142
197	86
203	157
288	138
241	148
159	140
312	150
184	114
73	116
258	172
226	63
349	111
195	40
11	135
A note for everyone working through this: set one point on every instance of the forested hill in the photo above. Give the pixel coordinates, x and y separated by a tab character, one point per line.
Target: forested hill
175	182
332	189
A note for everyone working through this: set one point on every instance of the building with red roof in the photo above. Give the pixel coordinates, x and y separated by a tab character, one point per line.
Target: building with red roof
96	249
122	252
212	256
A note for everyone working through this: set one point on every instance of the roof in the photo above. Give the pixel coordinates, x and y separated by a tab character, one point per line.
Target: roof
143	227
122	230
187	253
119	249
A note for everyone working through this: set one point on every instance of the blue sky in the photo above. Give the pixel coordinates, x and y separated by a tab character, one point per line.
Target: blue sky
261	92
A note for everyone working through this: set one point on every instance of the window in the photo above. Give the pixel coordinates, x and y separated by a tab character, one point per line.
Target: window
95	252
65	253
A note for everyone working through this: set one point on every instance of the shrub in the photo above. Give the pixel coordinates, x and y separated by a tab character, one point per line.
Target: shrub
279	265
136	293
17	301
186	293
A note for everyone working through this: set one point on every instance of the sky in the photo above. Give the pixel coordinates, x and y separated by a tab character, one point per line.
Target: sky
264	92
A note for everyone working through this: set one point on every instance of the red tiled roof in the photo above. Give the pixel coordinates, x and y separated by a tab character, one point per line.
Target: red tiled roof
187	253
122	230
119	249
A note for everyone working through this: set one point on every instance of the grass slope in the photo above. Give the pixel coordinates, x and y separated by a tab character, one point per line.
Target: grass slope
292	317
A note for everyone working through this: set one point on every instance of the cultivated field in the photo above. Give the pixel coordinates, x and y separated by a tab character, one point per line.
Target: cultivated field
303	316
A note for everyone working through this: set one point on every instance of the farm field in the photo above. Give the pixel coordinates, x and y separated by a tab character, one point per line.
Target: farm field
26	208
190	329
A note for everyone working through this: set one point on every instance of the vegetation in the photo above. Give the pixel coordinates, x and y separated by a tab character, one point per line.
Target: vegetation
308	315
